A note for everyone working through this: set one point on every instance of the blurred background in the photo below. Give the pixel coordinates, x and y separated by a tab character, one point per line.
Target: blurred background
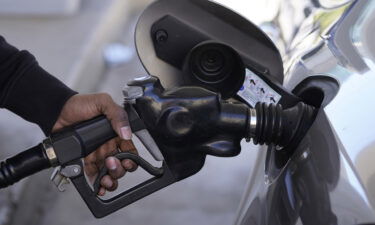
89	45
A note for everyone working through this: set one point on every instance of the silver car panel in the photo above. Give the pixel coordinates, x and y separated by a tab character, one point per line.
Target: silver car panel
330	179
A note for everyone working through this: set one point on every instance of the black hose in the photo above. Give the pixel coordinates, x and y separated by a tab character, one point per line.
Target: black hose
22	165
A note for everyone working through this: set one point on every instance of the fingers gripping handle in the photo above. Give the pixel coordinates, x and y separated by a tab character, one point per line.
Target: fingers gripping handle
157	172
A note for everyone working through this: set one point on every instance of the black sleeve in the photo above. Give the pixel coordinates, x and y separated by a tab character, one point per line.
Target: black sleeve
28	90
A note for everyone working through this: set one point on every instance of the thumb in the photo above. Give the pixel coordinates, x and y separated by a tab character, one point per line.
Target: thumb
116	115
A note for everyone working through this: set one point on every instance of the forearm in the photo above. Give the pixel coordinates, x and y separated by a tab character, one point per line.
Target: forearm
28	90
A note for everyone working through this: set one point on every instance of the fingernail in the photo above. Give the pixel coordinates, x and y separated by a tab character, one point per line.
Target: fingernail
108	182
128	164
126	133
101	192
111	163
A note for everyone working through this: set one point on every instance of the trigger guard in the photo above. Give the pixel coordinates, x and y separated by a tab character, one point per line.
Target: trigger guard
155	171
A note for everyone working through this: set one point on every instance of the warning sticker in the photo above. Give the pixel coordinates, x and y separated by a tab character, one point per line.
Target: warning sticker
255	90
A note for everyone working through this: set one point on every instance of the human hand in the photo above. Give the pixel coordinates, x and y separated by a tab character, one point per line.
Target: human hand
83	107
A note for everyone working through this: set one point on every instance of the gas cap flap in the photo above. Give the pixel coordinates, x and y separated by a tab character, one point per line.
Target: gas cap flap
169	32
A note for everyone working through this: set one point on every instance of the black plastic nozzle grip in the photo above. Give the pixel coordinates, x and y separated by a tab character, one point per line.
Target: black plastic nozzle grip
22	165
80	140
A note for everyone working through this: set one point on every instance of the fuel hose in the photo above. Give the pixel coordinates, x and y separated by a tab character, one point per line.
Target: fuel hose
23	165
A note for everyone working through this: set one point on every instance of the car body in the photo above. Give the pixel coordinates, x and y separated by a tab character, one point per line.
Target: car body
330	178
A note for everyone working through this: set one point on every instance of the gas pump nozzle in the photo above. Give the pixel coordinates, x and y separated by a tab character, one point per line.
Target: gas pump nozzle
182	125
178	127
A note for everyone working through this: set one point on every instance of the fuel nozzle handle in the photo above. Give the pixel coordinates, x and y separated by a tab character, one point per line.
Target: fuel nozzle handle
79	140
62	147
